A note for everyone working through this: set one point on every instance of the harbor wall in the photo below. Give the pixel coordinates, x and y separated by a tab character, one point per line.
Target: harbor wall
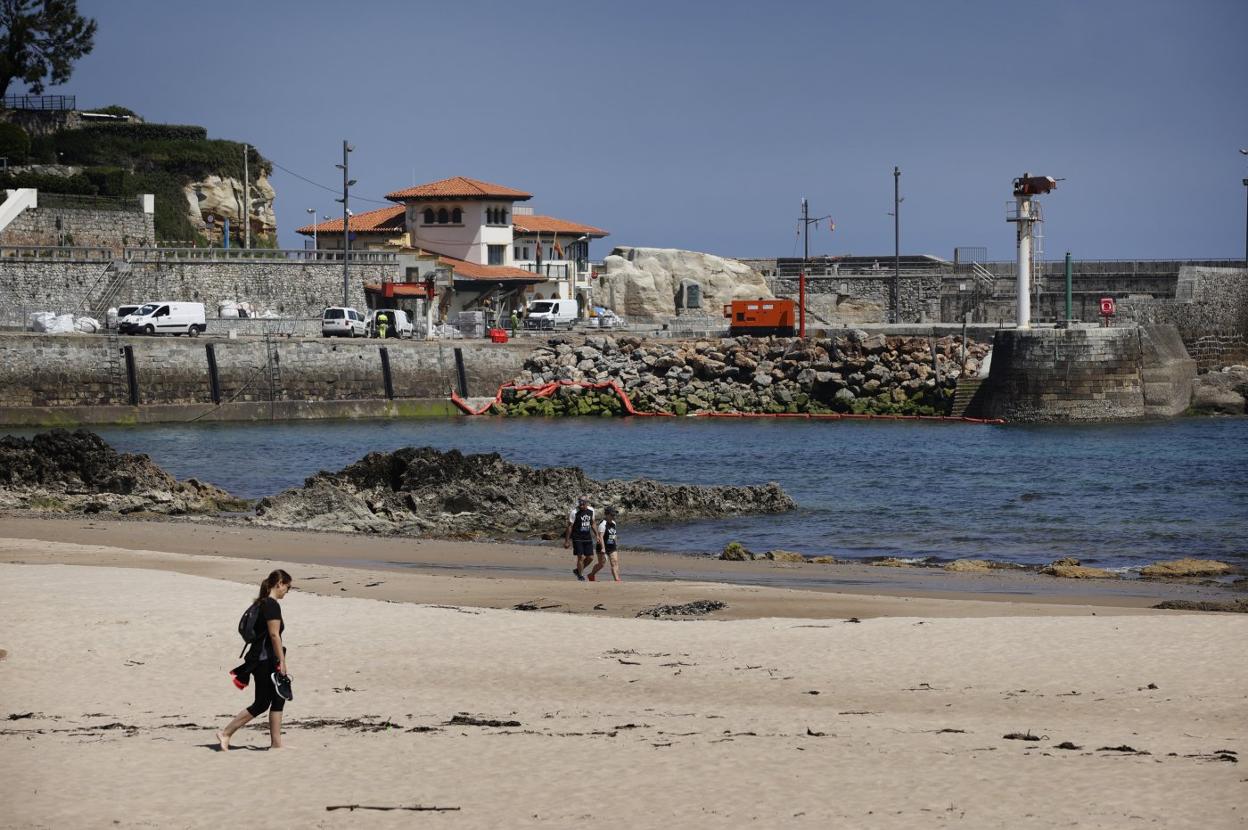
1088	374
43	374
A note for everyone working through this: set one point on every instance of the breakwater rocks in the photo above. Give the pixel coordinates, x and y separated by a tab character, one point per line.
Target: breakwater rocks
425	491
854	373
60	471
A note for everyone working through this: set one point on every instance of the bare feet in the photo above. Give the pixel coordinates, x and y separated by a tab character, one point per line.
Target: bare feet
223	741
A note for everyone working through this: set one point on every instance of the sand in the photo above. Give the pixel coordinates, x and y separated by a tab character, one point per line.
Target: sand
795	718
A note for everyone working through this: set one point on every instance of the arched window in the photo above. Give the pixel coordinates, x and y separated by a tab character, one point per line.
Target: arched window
491	216
457	216
442	216
428	216
502	216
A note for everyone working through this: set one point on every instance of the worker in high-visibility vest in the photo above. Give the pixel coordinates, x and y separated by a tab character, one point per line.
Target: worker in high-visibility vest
383	325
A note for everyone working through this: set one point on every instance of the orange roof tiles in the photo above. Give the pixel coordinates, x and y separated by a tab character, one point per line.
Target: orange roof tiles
459	187
383	220
549	224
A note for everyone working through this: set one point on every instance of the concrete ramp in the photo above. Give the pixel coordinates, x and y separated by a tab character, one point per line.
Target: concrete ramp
17	202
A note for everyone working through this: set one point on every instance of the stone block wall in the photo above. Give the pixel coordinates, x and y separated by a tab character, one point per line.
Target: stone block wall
81	370
853	298
1087	374
1210	311
81	227
291	288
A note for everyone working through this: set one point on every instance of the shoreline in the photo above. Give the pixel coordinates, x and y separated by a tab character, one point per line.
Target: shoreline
501	575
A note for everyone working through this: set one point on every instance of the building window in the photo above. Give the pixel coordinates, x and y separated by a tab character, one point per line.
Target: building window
497	254
515	253
443	217
526	251
429	216
502	216
457	216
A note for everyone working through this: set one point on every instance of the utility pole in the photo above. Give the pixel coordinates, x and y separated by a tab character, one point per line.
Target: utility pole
1246	223
246	201
801	278
896	292
346	227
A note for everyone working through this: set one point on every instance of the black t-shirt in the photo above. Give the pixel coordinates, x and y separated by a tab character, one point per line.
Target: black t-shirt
270	609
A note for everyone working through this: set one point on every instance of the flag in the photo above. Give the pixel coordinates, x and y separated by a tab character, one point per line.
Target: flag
558	250
831	226
539	249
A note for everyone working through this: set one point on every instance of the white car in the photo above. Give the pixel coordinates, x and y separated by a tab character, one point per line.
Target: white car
400	324
342	322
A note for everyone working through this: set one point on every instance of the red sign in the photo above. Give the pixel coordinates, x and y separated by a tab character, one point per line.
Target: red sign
1107	306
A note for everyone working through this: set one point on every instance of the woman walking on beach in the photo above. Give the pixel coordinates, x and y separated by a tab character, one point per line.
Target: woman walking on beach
267	659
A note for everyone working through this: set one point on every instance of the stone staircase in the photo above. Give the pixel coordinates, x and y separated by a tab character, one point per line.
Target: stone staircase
966	398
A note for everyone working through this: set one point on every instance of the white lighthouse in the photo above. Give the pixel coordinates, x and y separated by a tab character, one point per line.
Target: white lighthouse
1026	213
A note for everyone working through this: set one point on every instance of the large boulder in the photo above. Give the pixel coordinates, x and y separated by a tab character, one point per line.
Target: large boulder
222	197
1186	567
642	283
1223	392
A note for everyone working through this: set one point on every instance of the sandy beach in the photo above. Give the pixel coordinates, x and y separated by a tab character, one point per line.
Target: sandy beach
776	711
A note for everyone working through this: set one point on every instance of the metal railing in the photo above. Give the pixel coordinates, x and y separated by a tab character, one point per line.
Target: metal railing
39	102
55	253
295	255
549	270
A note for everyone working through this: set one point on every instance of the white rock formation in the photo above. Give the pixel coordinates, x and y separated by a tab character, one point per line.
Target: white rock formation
223	198
642	283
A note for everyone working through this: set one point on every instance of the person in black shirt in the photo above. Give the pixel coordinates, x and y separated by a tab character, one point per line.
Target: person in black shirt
581	535
266	656
608	536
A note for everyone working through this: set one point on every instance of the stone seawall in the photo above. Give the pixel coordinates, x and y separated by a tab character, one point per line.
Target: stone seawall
42	372
291	288
1209	310
1088	374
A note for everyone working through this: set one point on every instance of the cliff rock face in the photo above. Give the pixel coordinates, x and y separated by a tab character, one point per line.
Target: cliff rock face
78	472
642	283
422	490
222	197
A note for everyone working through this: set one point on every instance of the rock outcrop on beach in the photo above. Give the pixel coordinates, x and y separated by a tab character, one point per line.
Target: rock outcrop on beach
426	491
643	283
856	373
1221	392
60	471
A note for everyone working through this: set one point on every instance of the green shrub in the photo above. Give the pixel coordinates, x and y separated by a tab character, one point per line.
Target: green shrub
79	185
14	143
114	109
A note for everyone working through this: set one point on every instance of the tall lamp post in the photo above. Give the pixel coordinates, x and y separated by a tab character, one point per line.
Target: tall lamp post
801	277
1244	150
312	212
896	292
346	226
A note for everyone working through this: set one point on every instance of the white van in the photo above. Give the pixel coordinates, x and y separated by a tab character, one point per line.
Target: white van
551	314
400	324
341	321
165	318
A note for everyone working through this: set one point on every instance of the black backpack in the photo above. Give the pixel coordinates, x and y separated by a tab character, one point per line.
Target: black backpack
247	626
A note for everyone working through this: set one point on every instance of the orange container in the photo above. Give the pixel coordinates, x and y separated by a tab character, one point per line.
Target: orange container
761	317
498	335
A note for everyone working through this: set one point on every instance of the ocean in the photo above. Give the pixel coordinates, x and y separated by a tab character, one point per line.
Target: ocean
1116	496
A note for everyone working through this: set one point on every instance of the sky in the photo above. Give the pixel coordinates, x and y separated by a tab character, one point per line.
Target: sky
702	125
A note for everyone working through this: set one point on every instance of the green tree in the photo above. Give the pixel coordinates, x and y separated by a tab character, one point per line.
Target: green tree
41	39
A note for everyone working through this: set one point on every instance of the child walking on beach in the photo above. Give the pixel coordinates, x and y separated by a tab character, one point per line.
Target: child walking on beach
607	542
266	658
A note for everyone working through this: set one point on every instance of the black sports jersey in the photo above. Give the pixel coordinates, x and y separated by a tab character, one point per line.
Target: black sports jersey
583	523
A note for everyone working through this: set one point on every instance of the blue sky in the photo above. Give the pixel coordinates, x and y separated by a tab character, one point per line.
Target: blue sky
701	125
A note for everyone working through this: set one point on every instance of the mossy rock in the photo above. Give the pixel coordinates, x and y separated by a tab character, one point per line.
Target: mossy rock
1186	567
736	552
824	560
1078	572
790	556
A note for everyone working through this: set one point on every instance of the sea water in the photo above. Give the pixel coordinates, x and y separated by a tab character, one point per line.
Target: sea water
1117	495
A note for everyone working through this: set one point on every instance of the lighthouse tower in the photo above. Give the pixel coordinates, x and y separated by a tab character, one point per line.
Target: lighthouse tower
1025	212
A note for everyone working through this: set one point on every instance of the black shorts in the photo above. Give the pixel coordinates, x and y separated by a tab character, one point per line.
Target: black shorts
610	549
267	698
582	547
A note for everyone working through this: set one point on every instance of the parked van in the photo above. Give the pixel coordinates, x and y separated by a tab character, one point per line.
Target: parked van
399	325
551	314
165	318
340	321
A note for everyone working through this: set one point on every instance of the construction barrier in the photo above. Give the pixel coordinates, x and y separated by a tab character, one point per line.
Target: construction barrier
547	389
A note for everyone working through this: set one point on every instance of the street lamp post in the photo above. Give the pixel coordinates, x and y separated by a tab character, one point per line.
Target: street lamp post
346	225
312	212
896	292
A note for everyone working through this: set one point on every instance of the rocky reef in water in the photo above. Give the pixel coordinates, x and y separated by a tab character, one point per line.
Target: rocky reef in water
428	492
853	373
60	471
